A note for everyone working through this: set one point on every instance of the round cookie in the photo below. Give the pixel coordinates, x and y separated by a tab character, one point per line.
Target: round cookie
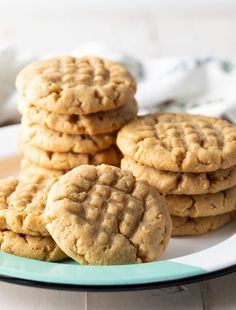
40	248
91	124
22	204
70	160
103	216
185	226
202	205
179	183
179	142
28	169
53	141
72	85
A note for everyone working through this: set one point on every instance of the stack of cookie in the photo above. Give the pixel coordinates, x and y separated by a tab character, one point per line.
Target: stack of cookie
191	160
72	109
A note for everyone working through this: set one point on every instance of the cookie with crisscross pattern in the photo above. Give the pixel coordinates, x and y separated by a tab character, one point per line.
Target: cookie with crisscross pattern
102	216
180	142
22	204
72	85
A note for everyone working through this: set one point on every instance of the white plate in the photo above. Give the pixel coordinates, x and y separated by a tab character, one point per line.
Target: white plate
195	255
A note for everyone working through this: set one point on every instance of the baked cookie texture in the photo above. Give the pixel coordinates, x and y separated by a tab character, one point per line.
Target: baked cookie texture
69	160
40	248
179	142
71	111
22	204
182	183
54	141
72	85
184	226
91	124
202	205
28	169
191	160
103	216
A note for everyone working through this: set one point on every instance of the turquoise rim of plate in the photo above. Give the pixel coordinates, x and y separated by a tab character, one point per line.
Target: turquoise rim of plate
69	272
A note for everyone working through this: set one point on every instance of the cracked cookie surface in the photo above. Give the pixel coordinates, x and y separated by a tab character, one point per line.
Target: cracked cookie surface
179	142
28	169
69	160
53	141
103	216
72	85
22	204
92	124
202	205
40	248
184	226
180	183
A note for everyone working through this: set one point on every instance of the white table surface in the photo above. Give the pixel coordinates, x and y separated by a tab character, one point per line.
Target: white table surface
147	32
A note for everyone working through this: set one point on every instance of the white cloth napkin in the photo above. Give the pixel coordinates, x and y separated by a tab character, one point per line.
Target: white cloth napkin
196	85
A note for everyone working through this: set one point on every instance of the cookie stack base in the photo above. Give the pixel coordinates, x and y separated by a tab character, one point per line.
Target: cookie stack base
186	226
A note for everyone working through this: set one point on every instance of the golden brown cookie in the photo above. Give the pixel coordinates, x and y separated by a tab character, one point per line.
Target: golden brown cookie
22	204
41	248
28	169
103	216
72	85
54	141
91	124
180	183
202	205
179	142
70	160
186	226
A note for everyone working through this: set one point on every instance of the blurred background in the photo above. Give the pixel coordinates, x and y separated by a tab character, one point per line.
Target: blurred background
143	28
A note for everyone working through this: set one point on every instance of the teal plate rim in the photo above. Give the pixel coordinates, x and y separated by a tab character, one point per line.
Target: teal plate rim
71	273
211	262
112	288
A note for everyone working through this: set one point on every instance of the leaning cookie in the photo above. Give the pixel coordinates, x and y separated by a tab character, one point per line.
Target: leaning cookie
40	248
180	183
100	215
202	205
72	85
186	226
91	124
22	204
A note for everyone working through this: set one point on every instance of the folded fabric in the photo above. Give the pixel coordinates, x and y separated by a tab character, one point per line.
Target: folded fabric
196	85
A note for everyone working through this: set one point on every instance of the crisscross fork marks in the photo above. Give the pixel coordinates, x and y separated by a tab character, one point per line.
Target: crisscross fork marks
108	215
180	142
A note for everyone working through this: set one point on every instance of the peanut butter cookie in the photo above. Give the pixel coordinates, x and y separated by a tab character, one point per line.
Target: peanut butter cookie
184	226
70	160
202	205
91	124
72	85
180	183
180	142
22	204
54	141
41	248
103	216
28	169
